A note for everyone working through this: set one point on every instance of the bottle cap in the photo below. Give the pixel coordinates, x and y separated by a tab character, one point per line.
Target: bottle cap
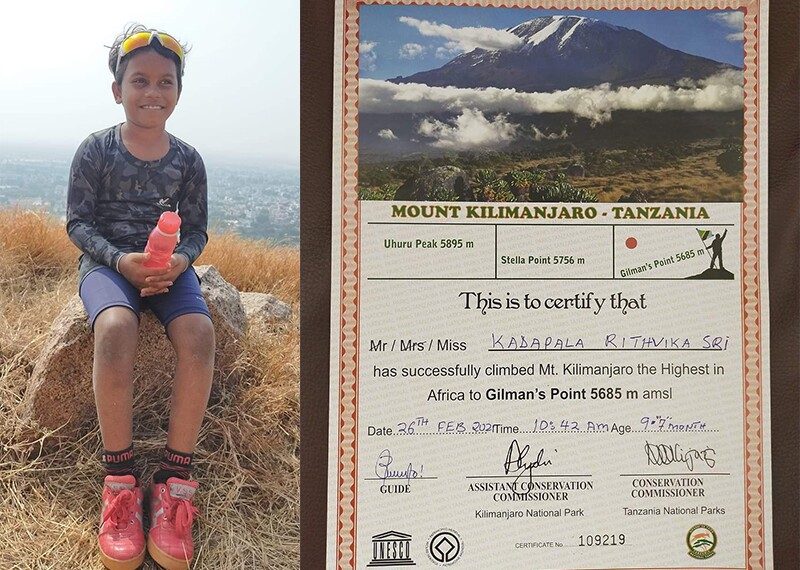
169	223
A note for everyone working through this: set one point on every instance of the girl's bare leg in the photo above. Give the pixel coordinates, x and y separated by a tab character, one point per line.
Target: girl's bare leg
116	333
192	336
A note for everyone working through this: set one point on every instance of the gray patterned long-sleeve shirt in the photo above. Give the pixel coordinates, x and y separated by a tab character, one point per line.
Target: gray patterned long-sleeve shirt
114	199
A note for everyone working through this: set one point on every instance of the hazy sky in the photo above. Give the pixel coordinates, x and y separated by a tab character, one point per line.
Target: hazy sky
241	87
392	42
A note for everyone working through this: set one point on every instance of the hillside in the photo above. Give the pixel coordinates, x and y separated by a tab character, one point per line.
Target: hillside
670	156
247	459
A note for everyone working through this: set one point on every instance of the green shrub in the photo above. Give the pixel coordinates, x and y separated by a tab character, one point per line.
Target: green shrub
520	183
561	191
385	192
487	187
441	193
484	177
503	193
731	161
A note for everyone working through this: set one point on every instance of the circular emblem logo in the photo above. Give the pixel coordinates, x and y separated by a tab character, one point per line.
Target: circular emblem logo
444	547
701	540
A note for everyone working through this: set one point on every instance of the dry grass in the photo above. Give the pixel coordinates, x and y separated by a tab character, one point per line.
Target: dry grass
695	178
250	266
247	458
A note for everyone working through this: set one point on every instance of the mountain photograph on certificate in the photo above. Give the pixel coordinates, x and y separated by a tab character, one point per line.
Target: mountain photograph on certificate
510	104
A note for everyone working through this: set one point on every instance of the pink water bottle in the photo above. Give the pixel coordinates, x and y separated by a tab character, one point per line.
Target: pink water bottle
162	240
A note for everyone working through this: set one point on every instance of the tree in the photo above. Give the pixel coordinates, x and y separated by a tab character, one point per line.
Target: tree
731	161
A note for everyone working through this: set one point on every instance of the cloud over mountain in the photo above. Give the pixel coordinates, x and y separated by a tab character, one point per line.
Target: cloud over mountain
465	39
411	51
733	20
387	134
366	52
470	130
721	92
540	136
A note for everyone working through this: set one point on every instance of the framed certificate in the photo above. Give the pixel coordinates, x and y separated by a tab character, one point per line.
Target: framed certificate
549	325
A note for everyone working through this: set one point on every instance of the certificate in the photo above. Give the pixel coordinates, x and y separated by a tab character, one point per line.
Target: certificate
549	329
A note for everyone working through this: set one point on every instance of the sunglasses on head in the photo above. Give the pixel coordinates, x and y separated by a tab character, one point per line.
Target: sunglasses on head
143	39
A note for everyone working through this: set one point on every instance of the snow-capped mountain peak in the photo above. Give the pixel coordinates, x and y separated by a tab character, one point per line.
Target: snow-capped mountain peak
545	31
559	52
566	36
561	28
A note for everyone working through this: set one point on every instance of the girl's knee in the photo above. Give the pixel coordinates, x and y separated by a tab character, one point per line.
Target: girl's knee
195	341
116	332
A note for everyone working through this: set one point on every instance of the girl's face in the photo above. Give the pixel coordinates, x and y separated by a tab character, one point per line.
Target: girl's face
149	89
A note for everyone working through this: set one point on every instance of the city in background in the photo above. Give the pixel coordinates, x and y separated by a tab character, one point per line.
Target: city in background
240	104
256	202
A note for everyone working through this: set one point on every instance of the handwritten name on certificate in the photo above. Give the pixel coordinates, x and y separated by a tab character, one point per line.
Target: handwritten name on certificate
549	331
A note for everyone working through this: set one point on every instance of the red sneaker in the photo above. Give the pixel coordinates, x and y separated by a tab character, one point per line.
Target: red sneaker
171	515
121	535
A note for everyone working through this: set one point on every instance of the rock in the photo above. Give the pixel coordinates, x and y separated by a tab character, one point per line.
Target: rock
60	395
576	171
635	196
444	183
713	273
263	307
222	297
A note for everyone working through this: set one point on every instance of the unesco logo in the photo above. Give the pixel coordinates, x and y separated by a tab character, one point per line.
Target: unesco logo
391	549
444	547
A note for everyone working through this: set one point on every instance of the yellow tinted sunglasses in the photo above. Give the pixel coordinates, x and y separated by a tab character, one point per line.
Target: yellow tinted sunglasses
142	39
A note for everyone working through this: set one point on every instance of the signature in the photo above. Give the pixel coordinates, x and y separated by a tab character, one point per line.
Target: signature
515	464
663	454
384	472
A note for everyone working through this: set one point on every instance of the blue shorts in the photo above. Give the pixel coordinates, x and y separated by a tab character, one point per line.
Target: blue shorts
104	288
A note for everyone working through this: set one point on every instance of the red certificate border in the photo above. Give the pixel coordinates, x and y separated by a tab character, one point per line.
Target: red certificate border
349	282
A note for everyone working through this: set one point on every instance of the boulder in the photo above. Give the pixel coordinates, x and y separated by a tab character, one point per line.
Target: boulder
264	308
575	171
60	395
636	195
444	183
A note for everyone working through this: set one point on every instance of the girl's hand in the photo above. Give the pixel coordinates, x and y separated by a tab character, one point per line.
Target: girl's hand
159	280
131	267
